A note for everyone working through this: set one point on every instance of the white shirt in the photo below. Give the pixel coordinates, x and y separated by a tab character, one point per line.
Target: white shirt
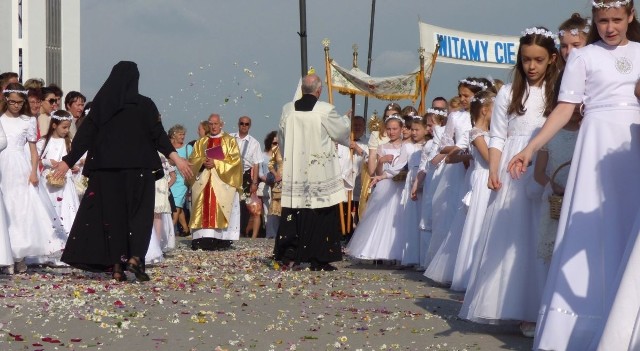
250	151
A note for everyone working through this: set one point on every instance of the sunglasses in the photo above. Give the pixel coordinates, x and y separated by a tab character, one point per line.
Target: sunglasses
14	102
53	101
244	124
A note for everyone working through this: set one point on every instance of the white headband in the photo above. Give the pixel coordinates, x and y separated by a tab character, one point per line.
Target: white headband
609	5
437	112
61	118
9	91
395	116
473	82
539	31
418	117
576	31
482	101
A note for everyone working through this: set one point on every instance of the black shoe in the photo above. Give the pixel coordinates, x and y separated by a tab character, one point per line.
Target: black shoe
135	268
118	274
325	267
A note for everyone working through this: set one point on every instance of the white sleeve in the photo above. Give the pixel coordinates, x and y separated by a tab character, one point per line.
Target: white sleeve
446	139
500	120
398	163
462	128
574	79
338	127
3	138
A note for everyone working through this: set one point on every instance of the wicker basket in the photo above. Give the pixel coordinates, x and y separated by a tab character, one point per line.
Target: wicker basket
56	182
555	200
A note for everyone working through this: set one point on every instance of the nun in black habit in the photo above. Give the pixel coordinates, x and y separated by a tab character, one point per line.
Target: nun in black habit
121	134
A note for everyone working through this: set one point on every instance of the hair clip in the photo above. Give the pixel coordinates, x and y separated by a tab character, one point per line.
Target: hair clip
434	111
611	4
9	91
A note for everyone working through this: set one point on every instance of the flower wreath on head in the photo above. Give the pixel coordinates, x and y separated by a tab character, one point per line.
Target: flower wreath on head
437	112
9	91
610	5
539	31
576	31
395	116
483	100
61	118
474	83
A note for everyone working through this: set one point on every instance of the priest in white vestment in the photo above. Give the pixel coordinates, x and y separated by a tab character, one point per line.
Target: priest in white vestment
312	184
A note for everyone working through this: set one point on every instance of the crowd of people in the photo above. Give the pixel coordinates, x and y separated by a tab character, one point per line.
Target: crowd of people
522	195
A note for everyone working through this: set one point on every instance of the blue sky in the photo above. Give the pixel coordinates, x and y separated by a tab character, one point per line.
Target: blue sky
242	57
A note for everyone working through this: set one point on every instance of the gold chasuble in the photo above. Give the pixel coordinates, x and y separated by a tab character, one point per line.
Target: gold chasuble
213	189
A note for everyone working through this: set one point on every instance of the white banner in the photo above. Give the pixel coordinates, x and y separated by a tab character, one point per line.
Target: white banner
471	49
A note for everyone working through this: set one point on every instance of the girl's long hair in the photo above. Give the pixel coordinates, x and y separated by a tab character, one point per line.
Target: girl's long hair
481	99
520	87
53	124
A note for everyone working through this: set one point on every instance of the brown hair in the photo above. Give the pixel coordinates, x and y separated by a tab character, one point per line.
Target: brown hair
480	100
520	86
633	30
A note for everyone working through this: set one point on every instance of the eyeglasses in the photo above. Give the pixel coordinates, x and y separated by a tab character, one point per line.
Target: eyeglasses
53	101
14	102
243	124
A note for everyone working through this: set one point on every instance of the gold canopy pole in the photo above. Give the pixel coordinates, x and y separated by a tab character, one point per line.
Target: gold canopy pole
421	108
351	137
327	64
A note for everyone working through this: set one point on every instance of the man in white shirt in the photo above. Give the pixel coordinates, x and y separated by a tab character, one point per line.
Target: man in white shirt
251	155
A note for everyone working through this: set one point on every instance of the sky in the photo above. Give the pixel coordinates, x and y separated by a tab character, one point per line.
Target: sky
242	57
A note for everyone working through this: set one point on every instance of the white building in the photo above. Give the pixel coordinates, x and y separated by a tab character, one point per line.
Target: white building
41	39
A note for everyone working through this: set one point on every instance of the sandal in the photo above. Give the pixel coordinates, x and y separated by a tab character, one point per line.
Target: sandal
134	266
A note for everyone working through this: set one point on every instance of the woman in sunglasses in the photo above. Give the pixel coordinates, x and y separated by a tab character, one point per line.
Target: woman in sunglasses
50	102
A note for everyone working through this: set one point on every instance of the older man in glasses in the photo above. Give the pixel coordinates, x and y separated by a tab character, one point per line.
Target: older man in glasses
251	156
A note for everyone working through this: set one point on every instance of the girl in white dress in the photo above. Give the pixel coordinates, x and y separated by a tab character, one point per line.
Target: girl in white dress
449	188
6	257
52	147
409	212
507	277
602	196
375	235
163	235
42	237
456	251
377	138
428	175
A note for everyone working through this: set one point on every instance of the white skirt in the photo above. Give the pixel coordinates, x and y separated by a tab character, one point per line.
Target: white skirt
478	203
507	277
445	202
375	235
599	208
